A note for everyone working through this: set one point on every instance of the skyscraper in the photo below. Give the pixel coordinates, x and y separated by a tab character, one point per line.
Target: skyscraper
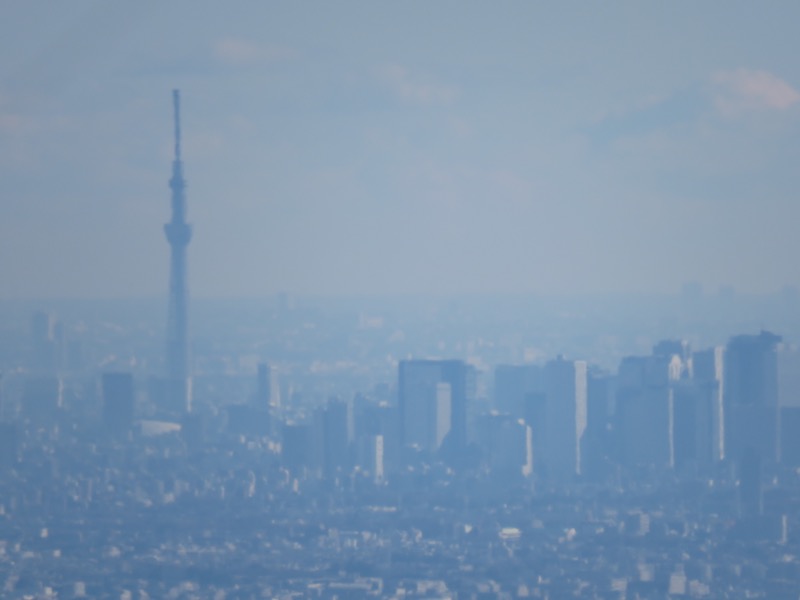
565	387
417	393
178	232
709	373
335	437
433	397
268	391
751	395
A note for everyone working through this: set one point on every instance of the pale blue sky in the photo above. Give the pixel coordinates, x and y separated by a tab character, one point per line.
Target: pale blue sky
445	147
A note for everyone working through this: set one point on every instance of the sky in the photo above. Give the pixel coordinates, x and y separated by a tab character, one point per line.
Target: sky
400	148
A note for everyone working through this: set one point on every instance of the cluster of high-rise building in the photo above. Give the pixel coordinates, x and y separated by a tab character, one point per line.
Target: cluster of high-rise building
565	421
447	477
558	478
673	409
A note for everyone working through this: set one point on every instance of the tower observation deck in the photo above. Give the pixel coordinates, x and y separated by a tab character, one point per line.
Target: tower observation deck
179	233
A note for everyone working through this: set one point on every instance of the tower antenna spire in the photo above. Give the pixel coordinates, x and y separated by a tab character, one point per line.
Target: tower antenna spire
176	102
178	233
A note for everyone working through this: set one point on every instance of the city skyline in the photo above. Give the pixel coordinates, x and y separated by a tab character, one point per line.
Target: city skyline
418	149
487	301
656	477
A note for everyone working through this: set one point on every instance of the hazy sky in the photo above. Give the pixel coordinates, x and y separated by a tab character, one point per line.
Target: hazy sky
338	147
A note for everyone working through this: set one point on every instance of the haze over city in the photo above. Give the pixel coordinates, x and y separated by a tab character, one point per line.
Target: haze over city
399	300
386	148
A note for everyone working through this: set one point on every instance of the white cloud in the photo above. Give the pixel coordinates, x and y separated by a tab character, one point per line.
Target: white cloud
237	51
744	90
413	90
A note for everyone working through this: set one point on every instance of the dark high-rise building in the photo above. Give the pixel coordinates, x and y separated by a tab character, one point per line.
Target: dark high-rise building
335	437
418	387
565	388
118	401
268	392
752	373
596	445
179	233
751	395
655	401
693	423
433	396
552	401
645	422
